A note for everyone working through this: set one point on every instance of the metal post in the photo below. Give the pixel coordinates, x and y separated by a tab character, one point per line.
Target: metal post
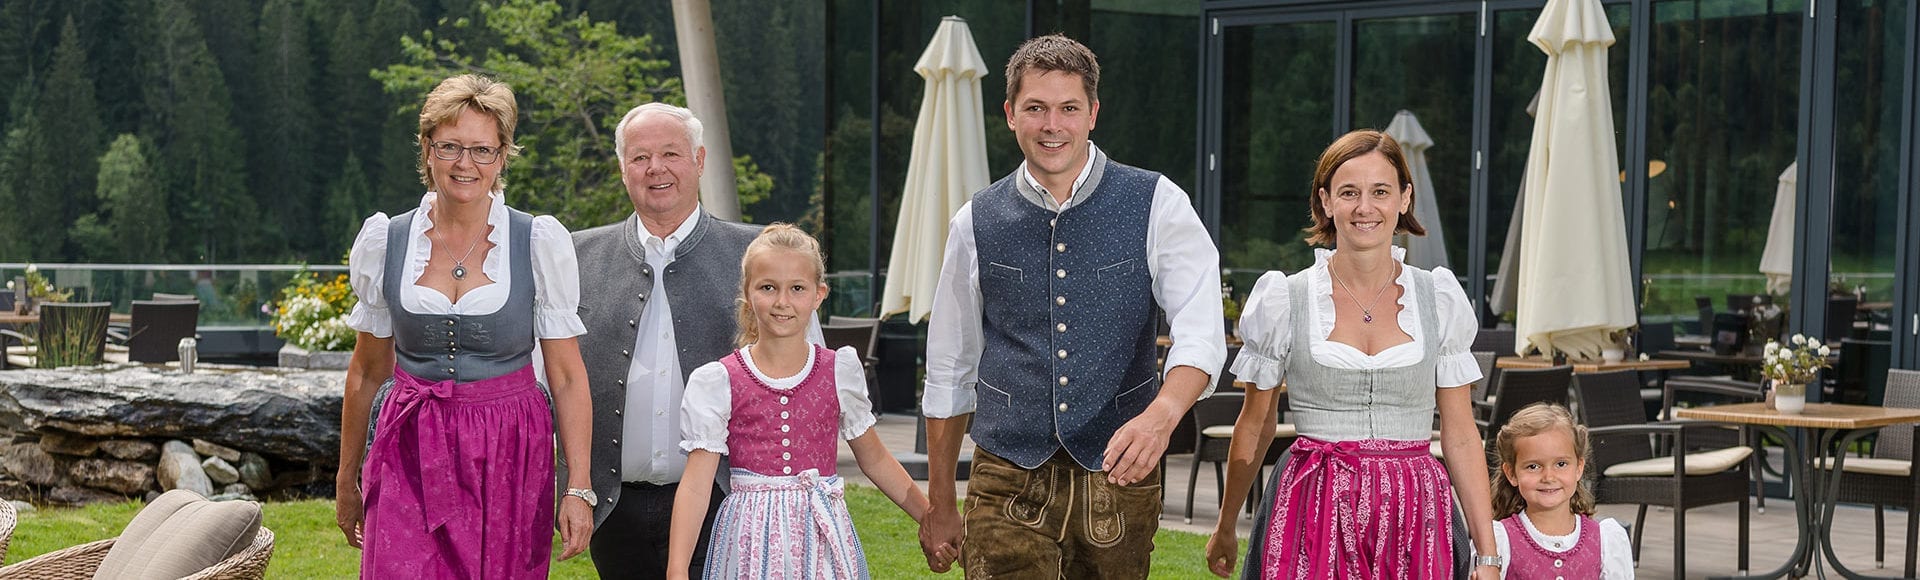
700	73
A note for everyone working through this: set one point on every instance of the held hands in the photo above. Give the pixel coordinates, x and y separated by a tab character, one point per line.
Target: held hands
348	513
942	533
1222	550
576	526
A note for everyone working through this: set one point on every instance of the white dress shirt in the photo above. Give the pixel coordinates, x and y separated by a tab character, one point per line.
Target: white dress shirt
1266	328
556	279
1616	550
1181	258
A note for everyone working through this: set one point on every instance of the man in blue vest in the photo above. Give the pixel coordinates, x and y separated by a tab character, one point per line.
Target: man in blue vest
1043	336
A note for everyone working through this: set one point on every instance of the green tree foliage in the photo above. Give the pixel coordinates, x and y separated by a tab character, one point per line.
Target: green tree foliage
282	166
49	157
350	199
20	161
202	157
574	79
131	225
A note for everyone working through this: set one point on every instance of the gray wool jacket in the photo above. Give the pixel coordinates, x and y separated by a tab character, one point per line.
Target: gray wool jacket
615	280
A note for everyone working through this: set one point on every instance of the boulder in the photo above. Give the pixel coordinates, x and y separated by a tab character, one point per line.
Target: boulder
22	507
131	449
126	477
254	471
16	490
29	463
180	469
62	443
74	495
211	449
220	471
235	489
287	414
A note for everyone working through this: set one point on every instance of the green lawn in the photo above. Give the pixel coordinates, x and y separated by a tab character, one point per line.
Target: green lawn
307	544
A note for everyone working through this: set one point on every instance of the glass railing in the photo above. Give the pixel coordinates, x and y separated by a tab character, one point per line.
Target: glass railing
236	295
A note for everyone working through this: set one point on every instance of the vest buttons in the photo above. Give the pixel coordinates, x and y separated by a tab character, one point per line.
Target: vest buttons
616	413
788	470
1052	222
785	428
1061	327
613	470
621	382
616	442
449	334
1063	381
643	298
449	370
1559	563
449	322
1062	273
633	323
626	353
1063	407
1057	301
1062	353
784	414
786	442
783	399
1059	247
449	356
786	455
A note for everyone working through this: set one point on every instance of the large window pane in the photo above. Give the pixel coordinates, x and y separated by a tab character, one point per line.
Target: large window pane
1867	147
1723	106
1276	116
1148	83
1424	65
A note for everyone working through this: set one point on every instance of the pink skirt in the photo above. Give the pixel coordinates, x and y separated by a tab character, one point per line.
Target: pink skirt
1373	508
459	482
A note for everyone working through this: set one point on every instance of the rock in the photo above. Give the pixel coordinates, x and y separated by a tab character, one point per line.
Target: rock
220	471
233	497
29	463
68	444
254	471
22	507
131	449
17	490
235	489
125	477
211	449
291	415
180	469
74	495
295	357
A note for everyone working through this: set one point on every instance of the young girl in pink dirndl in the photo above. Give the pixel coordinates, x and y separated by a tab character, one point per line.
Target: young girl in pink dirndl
777	408
1545	505
458	480
1367	348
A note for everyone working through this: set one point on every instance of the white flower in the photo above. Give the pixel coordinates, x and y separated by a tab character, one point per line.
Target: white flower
1644	357
1772	347
1824	351
9	284
1799	339
32	268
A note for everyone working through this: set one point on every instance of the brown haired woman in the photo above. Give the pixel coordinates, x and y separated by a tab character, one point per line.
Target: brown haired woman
1368	348
458	480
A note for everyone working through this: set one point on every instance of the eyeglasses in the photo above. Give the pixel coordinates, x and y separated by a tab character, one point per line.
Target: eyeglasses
480	154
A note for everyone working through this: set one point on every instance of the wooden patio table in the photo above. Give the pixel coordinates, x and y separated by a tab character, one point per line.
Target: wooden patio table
13	318
1828	426
1535	362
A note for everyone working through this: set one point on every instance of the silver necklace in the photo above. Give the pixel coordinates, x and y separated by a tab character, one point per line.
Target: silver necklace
1366	310
460	264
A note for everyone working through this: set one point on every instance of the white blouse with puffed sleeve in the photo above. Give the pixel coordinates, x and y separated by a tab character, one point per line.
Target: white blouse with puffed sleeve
708	405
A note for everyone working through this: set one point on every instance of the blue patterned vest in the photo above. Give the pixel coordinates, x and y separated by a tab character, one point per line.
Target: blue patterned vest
1068	316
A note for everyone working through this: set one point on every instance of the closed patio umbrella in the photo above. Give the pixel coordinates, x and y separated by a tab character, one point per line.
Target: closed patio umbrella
1575	283
948	164
1429	251
1776	261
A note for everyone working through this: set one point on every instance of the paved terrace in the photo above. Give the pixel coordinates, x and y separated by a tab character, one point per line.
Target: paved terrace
1711	532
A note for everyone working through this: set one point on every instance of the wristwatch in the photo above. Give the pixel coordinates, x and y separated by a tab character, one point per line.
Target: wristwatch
1496	561
592	499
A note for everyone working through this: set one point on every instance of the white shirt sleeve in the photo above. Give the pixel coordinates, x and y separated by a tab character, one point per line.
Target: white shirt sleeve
1454	365
954	336
556	281
366	272
1616	551
1186	282
1266	333
850	383
706	408
1501	543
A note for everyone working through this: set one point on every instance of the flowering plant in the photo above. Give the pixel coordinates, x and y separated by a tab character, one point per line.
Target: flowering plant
42	290
1798	363
313	315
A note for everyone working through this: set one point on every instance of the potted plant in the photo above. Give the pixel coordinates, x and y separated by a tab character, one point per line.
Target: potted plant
39	291
312	317
1790	367
1229	308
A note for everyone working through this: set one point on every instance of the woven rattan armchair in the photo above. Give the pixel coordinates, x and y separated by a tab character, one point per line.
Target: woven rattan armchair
7	519
1888	478
1519	388
1622	438
81	561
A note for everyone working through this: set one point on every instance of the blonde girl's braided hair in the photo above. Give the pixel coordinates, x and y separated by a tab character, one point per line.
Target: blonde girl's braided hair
779	236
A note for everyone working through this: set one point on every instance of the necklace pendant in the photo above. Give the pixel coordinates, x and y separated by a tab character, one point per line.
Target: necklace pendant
1367	318
459	272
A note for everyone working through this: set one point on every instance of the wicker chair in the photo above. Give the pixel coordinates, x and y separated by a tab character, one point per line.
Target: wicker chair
1522	387
8	518
1481	388
1888	477
154	334
1610	407
81	561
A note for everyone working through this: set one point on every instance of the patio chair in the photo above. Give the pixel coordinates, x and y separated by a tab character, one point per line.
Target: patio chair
1888	478
1482	399
1840	311
179	535
1744	303
8	517
1213	419
165	297
1495	340
1631	467
155	332
1704	305
861	334
1860	378
69	333
1522	387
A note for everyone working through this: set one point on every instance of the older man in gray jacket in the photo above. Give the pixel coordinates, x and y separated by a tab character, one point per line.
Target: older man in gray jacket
658	303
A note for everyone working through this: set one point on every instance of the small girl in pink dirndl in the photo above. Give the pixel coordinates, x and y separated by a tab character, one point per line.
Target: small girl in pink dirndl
1369	348
777	408
1545	504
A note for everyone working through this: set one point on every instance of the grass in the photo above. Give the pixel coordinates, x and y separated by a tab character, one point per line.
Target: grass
307	545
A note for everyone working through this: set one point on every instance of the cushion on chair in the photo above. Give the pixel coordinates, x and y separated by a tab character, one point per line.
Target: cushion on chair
1873	466
179	534
1700	463
1226	431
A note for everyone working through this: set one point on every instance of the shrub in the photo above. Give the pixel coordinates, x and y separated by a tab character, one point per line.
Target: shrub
311	314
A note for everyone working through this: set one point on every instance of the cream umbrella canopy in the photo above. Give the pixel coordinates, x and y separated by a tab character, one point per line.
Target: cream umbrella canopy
1575	282
948	164
1776	261
1429	251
